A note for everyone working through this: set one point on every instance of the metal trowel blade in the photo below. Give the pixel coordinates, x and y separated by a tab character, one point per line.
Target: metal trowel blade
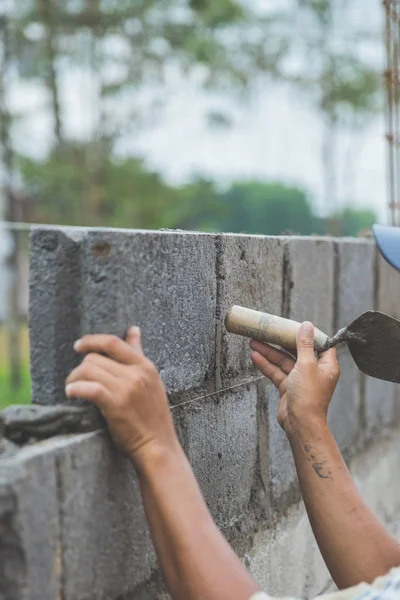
374	344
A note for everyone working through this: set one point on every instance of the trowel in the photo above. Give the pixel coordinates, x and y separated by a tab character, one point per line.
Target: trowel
373	338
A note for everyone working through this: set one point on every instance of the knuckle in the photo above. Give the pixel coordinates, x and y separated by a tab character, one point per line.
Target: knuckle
98	389
307	343
90	358
111	343
79	372
150	368
130	390
308	365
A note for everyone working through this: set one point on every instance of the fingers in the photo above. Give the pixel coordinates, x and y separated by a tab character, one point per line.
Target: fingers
276	357
330	362
305	343
271	371
90	371
110	366
112	346
90	390
329	357
134	339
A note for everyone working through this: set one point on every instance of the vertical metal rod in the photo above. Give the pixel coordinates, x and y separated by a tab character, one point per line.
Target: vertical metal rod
390	134
396	100
396	89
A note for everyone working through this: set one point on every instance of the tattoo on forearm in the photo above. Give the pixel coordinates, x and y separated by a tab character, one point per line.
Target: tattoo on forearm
318	463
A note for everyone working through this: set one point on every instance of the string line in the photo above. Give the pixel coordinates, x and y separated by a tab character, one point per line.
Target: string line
232	387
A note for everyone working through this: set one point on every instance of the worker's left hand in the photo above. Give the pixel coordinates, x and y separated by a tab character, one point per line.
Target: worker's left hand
127	388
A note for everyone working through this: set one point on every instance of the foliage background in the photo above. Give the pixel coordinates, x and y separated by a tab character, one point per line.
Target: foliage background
82	81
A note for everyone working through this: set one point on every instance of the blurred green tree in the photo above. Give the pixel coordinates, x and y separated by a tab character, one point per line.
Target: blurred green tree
124	50
352	222
268	208
127	47
344	86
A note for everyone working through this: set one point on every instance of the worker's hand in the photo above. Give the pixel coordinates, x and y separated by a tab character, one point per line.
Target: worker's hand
306	386
126	387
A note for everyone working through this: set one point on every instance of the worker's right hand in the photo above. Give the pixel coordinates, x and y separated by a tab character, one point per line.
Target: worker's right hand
127	388
306	386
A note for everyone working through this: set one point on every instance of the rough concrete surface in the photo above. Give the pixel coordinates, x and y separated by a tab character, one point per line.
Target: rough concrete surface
30	555
355	294
388	289
177	287
166	284
221	443
309	281
277	468
106	546
54	312
103	281
382	399
250	274
346	411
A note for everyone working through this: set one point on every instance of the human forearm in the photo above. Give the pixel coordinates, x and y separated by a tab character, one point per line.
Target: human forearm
355	545
196	560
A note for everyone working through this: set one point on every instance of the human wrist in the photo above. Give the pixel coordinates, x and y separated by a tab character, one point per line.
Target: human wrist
305	423
155	455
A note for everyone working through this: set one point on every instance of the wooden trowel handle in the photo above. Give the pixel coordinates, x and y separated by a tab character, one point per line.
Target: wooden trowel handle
267	328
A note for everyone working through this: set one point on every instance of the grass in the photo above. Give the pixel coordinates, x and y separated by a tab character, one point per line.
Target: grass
8	395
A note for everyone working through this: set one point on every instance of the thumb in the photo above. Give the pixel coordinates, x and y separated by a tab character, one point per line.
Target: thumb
305	343
134	339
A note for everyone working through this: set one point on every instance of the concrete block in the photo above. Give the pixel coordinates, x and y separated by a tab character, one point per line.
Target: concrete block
30	560
54	312
309	281
166	284
106	545
345	411
373	471
355	291
103	281
280	558
250	274
220	439
355	285
381	405
382	398
388	290
277	467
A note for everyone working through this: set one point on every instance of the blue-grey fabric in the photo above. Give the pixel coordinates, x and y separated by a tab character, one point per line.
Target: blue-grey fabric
383	588
388	240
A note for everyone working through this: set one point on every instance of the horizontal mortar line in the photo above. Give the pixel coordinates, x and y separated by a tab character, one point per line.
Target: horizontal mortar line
232	387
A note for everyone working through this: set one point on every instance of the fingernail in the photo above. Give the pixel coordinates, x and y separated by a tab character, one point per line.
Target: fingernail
308	328
134	330
77	345
68	389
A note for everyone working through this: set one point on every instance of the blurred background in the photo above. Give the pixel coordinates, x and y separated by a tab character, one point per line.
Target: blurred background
255	116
